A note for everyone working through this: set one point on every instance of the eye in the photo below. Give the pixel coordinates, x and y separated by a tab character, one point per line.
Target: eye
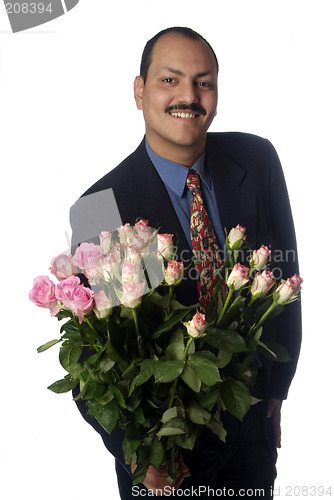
207	85
169	80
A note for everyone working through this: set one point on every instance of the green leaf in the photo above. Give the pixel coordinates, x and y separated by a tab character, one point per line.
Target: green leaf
173	412
197	414
175	349
187	442
228	340
118	395
106	364
92	390
282	355
70	353
162	301
190	377
217	427
131	441
63	385
105	398
236	397
208	400
106	415
173	427
157	454
167	325
206	370
49	344
223	358
167	371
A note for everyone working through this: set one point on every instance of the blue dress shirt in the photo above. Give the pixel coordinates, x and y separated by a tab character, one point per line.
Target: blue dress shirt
174	177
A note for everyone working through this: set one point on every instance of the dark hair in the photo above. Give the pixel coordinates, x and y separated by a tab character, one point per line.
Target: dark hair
147	52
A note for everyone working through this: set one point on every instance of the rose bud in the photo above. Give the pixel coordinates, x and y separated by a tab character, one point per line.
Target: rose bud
238	277
262	283
102	305
143	231
130	272
174	272
165	245
62	266
260	258
236	237
105	241
196	326
132	293
287	290
126	234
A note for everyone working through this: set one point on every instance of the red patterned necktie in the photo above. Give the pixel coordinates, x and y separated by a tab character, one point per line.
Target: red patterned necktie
204	241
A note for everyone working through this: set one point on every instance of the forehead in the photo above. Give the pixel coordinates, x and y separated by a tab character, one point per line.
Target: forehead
182	53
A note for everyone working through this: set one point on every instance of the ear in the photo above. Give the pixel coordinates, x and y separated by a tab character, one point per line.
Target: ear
138	88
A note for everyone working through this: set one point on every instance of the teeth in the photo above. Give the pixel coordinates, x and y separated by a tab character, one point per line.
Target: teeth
182	115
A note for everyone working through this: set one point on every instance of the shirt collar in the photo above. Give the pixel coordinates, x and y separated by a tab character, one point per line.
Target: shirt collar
174	175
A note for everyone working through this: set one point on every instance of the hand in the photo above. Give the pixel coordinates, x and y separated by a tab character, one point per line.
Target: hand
274	412
156	477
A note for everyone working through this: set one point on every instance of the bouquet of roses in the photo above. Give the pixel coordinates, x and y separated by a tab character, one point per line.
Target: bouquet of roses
144	361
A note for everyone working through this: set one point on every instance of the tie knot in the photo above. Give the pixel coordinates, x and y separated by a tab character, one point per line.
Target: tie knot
193	182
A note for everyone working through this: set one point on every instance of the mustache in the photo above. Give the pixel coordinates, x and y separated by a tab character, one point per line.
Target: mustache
191	107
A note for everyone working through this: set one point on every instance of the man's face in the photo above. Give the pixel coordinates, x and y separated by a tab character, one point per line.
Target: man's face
179	97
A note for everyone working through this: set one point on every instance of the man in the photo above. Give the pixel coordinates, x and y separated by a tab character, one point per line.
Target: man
242	183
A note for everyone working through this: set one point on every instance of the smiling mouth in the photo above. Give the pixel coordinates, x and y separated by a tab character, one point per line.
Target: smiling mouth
182	114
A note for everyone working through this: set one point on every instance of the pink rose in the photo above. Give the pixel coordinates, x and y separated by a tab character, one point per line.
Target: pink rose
132	293
238	277
42	294
109	267
144	231
105	241
262	283
87	256
197	325
174	272
132	253
130	272
287	290
260	257
165	245
236	236
296	282
102	305
126	234
82	301
65	288
62	266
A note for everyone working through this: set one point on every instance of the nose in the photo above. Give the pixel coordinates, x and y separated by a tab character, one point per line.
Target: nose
188	92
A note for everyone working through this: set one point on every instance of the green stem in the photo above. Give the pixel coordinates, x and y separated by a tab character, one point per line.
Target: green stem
228	298
190	341
263	318
139	338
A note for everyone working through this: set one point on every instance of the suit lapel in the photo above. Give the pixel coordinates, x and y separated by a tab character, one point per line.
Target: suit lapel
236	204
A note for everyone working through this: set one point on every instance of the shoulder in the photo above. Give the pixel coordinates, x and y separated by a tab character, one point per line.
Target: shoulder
239	144
122	174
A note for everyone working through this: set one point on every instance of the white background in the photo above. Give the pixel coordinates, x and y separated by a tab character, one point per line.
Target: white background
67	116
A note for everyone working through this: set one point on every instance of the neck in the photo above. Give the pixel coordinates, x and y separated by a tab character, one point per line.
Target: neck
183	155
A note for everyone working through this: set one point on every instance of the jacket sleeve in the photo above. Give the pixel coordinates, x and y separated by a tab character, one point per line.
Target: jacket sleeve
284	265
